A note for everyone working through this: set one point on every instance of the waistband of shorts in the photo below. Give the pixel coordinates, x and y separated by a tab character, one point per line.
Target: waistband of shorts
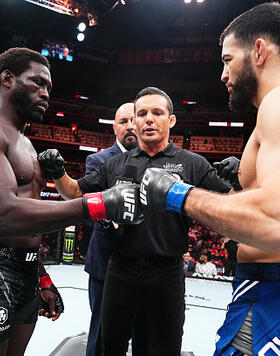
146	260
258	271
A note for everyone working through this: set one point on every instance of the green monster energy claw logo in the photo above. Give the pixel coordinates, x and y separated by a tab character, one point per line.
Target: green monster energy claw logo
69	244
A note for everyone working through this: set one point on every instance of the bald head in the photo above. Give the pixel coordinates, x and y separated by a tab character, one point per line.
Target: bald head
126	109
123	127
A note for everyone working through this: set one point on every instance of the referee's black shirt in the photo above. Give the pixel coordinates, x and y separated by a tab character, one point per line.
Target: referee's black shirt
160	234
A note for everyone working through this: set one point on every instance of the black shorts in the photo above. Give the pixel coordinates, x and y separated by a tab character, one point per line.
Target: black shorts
19	295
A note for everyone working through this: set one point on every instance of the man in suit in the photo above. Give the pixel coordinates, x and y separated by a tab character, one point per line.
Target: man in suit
101	244
189	264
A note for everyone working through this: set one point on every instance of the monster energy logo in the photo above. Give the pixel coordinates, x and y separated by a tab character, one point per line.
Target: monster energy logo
69	244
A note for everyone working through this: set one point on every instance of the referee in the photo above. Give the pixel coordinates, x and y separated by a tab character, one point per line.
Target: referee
146	270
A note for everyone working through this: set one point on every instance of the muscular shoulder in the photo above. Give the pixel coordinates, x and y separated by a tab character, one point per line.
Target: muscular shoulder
4	141
268	118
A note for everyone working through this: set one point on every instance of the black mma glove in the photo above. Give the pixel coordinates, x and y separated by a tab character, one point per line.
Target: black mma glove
228	170
50	304
120	204
52	161
161	191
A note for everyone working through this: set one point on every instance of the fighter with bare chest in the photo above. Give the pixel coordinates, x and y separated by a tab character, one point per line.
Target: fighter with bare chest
25	84
248	179
250	52
21	176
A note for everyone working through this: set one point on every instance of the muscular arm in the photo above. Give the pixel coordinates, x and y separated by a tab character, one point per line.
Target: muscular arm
24	216
68	187
41	268
242	216
52	161
251	217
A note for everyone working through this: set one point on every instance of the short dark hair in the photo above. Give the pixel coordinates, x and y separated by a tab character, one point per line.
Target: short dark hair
17	60
260	21
156	91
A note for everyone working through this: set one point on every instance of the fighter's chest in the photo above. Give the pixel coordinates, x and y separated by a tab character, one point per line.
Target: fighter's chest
23	159
247	173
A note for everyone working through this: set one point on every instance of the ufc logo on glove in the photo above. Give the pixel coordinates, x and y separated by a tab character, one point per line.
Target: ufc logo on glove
143	191
129	203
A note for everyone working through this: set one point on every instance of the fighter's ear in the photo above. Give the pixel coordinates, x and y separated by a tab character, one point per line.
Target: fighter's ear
172	120
6	78
261	50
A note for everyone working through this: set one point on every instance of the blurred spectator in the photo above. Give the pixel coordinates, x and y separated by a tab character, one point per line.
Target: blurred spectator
231	261
44	249
221	252
203	266
213	250
189	264
218	261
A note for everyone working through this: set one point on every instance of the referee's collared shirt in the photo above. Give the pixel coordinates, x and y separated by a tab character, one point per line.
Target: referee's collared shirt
160	234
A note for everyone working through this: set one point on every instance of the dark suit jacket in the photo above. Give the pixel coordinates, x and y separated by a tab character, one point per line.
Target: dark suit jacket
100	245
191	267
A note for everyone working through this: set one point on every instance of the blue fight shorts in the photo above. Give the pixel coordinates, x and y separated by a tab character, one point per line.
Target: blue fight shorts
257	287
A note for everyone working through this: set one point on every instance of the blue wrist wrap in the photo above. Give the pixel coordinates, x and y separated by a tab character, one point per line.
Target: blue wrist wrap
176	196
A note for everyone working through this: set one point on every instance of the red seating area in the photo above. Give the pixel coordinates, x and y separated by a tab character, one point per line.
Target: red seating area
177	140
170	55
82	137
200	144
216	144
65	134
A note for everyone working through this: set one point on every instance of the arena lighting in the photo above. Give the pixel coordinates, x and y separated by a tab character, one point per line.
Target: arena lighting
80	36
106	121
87	148
78	96
237	124
60	113
54	5
82	26
123	2
218	123
199	1
187	102
226	124
92	21
50	185
66	7
74	128
187	1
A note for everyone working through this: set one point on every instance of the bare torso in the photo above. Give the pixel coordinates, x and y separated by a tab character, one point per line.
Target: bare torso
248	180
22	158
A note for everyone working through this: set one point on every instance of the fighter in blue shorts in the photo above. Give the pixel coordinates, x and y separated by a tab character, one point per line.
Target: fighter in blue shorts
251	73
252	323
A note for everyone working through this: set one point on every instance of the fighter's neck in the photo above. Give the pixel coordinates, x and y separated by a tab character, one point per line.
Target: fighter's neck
9	115
265	87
